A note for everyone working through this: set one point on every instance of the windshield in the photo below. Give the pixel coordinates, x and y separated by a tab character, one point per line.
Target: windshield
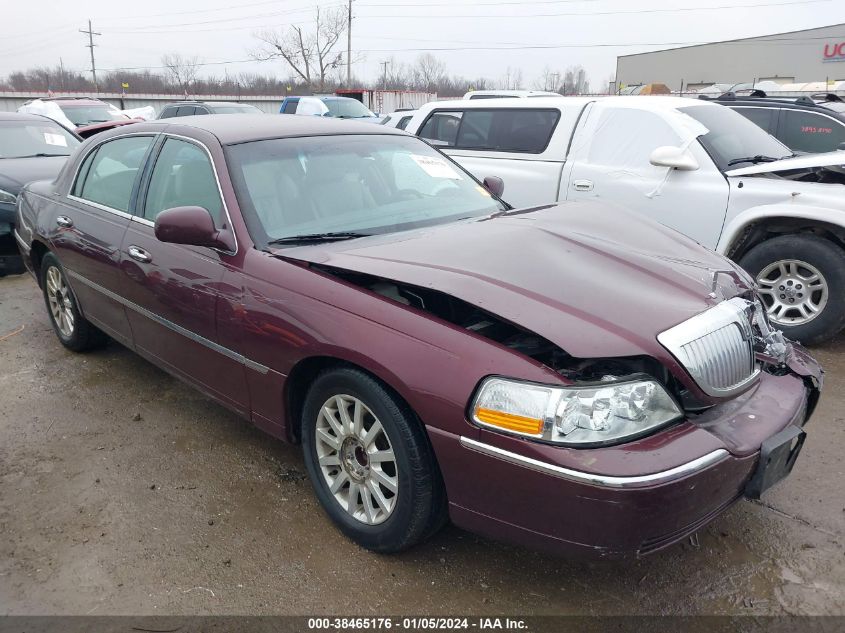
22	139
236	109
347	109
89	114
350	184
732	137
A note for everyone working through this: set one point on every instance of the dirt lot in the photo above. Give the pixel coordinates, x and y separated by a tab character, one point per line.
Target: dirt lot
124	491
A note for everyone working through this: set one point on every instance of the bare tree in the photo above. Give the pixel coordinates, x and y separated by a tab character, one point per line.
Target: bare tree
309	52
575	81
512	79
181	70
549	80
428	72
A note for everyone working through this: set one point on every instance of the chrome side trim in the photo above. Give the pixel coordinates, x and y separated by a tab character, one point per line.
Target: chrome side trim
607	481
240	358
101	207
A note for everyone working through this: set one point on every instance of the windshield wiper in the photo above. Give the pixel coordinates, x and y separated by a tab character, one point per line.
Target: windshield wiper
39	155
759	158
318	237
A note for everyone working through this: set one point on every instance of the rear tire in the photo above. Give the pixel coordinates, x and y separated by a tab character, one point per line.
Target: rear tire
800	278
73	330
385	506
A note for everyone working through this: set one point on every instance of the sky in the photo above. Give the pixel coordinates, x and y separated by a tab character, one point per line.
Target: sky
464	34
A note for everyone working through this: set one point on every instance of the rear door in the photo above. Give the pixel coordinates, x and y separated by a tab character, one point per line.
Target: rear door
511	143
174	289
92	224
803	131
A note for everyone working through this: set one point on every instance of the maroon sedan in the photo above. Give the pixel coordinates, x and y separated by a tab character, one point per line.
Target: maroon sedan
570	377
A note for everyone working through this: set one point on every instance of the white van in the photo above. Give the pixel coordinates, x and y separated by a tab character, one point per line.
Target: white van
695	166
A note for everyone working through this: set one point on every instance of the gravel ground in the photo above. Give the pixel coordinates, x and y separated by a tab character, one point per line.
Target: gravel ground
122	491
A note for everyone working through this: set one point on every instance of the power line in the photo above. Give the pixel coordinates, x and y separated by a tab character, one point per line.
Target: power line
476	16
91	46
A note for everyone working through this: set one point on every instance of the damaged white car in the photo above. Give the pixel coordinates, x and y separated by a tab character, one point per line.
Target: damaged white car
694	166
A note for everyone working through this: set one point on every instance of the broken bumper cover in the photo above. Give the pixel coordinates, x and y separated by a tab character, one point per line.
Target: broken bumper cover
574	512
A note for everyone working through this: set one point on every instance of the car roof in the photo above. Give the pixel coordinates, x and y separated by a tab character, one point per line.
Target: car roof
789	103
208	103
74	101
231	129
644	102
21	116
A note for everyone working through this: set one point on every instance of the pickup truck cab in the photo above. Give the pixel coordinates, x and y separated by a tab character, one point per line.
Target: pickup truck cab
695	166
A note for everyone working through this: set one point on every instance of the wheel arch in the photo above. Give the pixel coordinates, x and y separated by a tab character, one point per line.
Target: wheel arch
38	250
303	373
758	224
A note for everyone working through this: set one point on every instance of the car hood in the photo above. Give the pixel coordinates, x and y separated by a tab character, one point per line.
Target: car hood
827	159
16	172
594	279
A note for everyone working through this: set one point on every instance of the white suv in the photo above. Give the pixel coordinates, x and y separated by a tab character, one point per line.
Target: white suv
695	166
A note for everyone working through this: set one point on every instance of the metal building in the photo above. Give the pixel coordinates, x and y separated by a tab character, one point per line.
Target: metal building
797	56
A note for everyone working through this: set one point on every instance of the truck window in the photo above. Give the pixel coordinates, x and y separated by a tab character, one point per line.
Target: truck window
809	132
290	106
507	130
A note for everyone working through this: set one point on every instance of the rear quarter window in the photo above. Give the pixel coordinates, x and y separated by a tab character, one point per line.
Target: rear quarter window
762	117
810	132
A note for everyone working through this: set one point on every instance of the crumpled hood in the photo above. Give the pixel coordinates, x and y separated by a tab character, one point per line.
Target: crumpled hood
594	279
827	159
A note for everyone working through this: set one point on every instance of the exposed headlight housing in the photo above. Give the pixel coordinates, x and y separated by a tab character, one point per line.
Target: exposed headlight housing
608	412
7	198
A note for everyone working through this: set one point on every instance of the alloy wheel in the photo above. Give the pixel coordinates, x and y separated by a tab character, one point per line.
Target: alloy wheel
356	459
61	306
793	291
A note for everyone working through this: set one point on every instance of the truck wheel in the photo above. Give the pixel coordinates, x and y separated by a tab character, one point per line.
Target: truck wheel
800	279
369	461
73	330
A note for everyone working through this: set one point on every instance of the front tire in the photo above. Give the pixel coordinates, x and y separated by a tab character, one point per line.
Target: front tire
800	280
370	462
73	330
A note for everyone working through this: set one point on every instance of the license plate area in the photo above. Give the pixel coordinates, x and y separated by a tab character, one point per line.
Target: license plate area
777	457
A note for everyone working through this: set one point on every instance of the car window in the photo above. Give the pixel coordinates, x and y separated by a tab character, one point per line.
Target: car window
81	115
290	106
185	111
626	137
234	109
441	128
368	183
168	112
182	176
108	176
22	139
403	122
810	132
763	117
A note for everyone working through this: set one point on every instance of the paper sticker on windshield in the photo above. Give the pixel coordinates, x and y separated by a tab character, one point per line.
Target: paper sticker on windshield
436	167
55	139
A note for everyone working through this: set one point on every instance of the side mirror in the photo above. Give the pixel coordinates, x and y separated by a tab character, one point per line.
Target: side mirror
494	185
192	226
674	157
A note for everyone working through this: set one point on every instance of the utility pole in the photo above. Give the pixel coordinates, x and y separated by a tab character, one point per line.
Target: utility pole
62	73
349	47
91	46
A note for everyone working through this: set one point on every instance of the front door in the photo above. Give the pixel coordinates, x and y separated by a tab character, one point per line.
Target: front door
91	225
174	290
609	160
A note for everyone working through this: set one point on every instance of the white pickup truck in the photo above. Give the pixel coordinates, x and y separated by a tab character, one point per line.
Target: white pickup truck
695	166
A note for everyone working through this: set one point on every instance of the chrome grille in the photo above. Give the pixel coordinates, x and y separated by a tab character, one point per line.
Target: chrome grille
716	347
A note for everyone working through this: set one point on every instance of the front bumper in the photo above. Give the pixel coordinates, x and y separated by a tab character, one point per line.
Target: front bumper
621	501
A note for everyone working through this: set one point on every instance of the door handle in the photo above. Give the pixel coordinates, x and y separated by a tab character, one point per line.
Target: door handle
64	221
582	185
139	254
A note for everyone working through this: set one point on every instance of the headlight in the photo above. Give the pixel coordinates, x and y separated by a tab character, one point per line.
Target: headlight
7	198
602	413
